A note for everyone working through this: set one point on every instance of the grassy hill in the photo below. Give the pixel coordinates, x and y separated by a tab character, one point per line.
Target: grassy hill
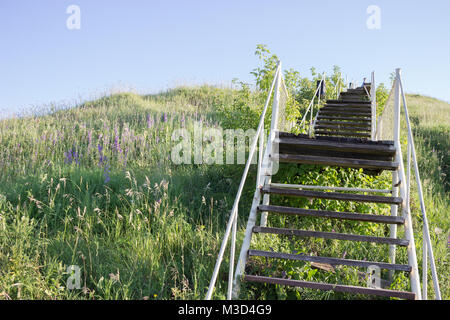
94	186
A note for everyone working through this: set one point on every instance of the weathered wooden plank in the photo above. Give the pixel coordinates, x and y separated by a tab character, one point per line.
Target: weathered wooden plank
343	124
332	287
293	149
336	146
357	141
354	105
339	127
331	195
331	235
340	162
347	101
338	112
346	110
342	133
333	214
329	260
358	118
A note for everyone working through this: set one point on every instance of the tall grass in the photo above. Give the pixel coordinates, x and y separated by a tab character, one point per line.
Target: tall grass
94	186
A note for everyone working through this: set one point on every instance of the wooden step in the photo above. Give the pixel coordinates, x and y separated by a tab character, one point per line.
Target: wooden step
339	118
343	124
331	101
332	214
357	90
344	113
364	111
331	195
336	144
342	133
360	93
332	287
339	162
282	134
293	149
356	93
339	127
329	260
330	235
353	96
353	105
347	109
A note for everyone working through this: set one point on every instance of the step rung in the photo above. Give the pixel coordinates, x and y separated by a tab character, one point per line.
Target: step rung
333	214
365	119
350	106
343	124
340	127
332	287
340	162
343	101
339	146
332	195
342	133
330	235
342	111
328	188
329	260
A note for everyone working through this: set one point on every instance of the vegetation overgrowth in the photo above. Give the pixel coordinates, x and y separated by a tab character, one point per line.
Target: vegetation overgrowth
94	186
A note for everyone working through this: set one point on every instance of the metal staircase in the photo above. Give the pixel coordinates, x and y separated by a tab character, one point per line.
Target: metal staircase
345	135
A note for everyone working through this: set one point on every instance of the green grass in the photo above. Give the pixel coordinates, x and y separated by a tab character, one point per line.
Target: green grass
141	227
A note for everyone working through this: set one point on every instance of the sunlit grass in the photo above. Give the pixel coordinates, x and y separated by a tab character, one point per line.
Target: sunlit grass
94	186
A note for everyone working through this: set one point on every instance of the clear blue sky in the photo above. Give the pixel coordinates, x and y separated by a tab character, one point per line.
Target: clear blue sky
153	45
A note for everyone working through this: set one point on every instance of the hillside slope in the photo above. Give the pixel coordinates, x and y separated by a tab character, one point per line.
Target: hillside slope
94	187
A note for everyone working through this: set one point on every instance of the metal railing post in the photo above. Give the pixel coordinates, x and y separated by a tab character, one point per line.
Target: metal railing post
426	229
409	233
373	97
233	215
271	142
395	175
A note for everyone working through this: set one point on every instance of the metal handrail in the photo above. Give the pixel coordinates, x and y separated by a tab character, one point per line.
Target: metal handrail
311	106
232	222
404	180
427	246
373	99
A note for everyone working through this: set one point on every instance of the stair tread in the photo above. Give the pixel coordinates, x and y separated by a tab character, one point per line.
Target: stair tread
329	260
339	142
346	128
359	118
333	214
332	161
357	141
333	287
343	124
348	102
341	103
332	195
348	110
331	235
343	133
351	106
344	111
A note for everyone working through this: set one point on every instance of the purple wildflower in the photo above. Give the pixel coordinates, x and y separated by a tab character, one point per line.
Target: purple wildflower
149	121
106	172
